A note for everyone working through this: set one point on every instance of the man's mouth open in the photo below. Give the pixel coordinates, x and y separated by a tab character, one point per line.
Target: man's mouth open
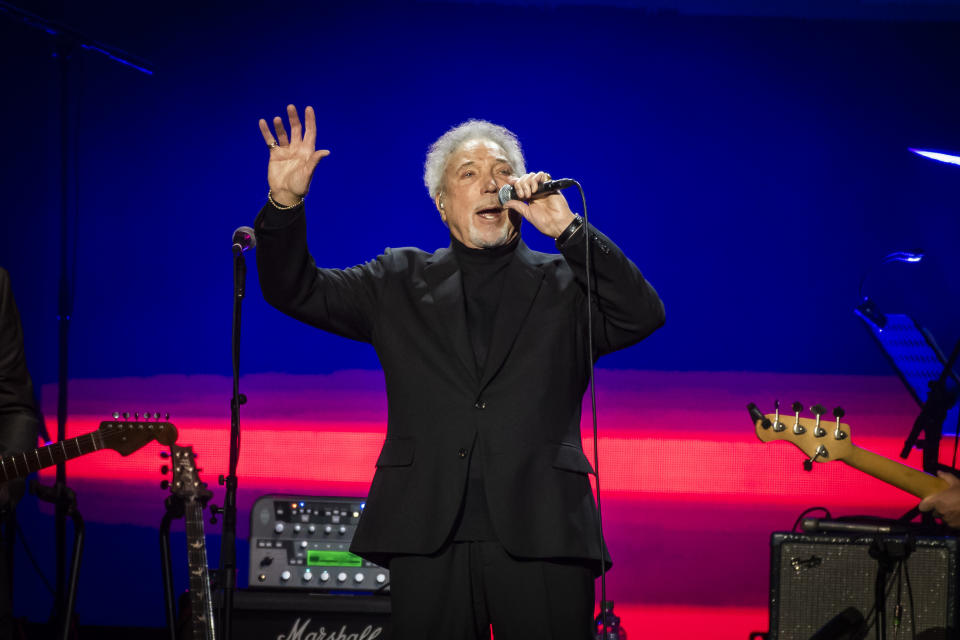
491	213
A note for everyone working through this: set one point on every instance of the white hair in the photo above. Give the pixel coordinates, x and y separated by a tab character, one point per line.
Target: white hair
441	150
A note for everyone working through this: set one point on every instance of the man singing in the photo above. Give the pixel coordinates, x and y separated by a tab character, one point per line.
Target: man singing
481	505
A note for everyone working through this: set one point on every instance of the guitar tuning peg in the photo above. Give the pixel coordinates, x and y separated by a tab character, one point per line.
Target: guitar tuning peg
777	425
164	469
808	464
838	413
818	410
164	484
136	416
126	415
797	427
156	415
116	415
166	416
164	454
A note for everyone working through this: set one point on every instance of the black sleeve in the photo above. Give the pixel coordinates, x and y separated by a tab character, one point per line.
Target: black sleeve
626	308
342	301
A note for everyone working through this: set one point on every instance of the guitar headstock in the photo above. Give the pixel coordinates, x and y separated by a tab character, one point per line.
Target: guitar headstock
186	477
125	434
823	440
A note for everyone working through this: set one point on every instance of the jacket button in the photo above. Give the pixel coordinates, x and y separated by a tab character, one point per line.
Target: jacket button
462	453
480	404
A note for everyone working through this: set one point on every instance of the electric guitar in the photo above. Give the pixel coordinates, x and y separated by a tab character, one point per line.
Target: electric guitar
120	434
187	486
826	441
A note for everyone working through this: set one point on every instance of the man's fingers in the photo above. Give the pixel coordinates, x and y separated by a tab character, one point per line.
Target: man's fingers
949	478
310	127
522	186
296	129
281	132
316	156
265	132
519	207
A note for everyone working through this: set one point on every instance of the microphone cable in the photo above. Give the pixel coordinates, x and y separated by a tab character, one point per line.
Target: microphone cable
593	411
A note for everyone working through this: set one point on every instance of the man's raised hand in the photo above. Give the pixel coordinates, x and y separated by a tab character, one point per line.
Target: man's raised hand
294	158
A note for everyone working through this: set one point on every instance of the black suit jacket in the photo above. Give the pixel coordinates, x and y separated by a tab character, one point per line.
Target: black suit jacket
522	413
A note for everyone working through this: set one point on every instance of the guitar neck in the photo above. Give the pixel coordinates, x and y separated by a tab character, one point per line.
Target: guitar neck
200	600
899	475
20	465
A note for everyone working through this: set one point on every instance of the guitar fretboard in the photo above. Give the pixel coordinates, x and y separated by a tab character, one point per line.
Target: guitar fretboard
200	599
19	465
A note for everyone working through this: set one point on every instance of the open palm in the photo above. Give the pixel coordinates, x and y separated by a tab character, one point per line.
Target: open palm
293	158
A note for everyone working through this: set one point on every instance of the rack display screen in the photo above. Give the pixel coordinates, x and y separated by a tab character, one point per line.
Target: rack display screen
326	558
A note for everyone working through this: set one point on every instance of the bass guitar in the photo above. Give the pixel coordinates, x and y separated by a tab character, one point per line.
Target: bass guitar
829	440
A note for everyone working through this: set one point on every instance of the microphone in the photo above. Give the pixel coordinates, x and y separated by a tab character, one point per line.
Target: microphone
244	238
815	525
507	192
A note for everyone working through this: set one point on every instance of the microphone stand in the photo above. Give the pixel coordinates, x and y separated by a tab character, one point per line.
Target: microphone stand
228	540
67	42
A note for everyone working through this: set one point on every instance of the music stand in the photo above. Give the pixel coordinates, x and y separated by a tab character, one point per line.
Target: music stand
918	361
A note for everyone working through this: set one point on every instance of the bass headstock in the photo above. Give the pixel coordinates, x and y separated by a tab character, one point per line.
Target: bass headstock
125	433
821	440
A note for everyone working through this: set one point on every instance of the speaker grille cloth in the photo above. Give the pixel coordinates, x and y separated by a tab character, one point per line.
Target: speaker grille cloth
817	581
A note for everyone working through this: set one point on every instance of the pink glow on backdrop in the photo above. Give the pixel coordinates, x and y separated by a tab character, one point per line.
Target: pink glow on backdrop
691	494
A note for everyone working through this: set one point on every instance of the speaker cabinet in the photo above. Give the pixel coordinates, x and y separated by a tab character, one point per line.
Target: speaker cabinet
815	577
309	616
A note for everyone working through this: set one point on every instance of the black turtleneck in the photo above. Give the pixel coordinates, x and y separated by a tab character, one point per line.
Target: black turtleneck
483	272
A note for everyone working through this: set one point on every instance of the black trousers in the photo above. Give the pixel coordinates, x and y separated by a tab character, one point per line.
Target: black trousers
467	587
6	585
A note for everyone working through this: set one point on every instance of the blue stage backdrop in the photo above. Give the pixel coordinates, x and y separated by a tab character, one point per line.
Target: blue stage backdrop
756	169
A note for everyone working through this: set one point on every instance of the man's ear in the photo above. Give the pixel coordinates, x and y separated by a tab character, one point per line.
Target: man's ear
438	201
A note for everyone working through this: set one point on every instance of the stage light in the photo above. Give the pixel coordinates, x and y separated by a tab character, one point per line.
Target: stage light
938	156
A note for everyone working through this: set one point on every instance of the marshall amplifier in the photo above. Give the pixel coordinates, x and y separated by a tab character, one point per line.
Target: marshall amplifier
298	615
821	579
302	543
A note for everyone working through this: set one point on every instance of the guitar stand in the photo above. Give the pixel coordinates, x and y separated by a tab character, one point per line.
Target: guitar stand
175	509
63	497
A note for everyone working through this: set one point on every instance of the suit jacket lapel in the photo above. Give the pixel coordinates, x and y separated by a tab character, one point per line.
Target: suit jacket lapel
519	290
446	286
